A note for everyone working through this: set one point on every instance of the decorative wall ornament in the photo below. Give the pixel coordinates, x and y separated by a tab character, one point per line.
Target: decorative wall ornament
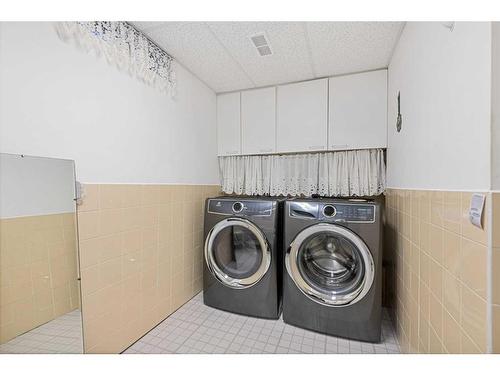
124	47
449	25
338	173
399	119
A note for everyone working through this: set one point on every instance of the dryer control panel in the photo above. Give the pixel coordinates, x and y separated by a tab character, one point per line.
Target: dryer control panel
353	212
335	211
240	207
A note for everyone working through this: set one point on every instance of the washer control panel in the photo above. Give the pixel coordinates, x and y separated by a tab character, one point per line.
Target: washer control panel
240	207
341	212
355	212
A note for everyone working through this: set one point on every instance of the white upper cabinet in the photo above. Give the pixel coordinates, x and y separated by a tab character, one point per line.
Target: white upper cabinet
358	111
258	121
340	113
302	116
228	124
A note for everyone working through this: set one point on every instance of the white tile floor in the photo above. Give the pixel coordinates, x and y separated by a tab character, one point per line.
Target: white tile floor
61	335
196	328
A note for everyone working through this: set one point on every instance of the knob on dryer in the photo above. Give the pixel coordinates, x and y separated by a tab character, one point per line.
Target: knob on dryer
329	211
237	207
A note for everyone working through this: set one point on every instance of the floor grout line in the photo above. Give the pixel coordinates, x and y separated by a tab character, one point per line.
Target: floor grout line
212	331
47	337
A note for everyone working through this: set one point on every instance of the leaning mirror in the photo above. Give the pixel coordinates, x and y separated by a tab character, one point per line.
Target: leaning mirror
39	278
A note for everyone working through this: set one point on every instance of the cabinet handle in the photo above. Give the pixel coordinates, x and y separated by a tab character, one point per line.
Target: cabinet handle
340	146
316	147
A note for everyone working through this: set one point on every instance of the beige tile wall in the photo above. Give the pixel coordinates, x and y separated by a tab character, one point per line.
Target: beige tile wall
141	258
496	272
437	271
38	271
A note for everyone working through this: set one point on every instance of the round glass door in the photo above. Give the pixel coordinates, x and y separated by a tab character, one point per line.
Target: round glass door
237	253
330	264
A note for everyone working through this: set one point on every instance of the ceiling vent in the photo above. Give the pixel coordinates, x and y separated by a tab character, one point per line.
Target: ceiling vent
260	42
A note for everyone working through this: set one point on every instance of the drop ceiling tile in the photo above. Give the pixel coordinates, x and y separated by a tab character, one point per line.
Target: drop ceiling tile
289	61
144	26
195	46
222	54
347	47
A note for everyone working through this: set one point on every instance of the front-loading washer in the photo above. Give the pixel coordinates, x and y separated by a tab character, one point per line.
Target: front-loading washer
333	263
242	251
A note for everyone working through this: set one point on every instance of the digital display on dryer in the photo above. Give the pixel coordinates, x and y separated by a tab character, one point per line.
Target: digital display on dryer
354	213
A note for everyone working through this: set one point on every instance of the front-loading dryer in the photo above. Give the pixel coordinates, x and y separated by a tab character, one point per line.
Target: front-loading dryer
242	250
333	262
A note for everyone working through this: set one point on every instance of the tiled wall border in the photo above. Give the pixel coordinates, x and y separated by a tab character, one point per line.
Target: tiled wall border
141	258
495	273
38	271
400	239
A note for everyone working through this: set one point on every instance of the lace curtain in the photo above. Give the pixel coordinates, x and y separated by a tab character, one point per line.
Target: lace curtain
124	47
339	173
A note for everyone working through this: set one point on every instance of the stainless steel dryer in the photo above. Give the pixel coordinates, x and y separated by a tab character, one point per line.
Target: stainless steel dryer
242	272
333	262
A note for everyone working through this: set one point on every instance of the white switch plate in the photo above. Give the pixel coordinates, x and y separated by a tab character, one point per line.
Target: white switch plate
476	209
80	192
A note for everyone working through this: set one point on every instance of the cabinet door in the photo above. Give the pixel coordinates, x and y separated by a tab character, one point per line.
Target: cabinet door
358	111
228	124
302	116
258	121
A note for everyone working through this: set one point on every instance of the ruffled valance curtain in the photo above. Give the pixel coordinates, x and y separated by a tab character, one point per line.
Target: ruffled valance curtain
339	174
124	47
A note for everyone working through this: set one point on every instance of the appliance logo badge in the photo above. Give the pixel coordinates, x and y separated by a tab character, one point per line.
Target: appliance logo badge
219	204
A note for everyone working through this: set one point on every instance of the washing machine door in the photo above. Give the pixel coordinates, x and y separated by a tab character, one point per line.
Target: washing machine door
330	264
237	253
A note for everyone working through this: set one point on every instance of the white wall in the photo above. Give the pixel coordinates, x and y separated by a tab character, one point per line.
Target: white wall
60	102
445	79
35	186
495	107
